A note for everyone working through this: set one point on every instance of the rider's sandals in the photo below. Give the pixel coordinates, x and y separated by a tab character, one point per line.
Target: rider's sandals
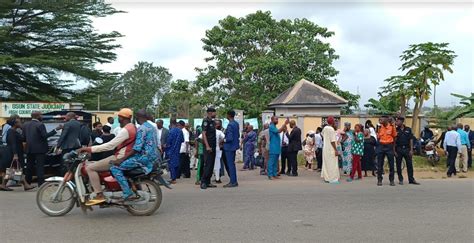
95	201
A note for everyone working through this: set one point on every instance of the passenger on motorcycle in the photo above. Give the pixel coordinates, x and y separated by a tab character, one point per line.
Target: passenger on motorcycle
143	156
122	144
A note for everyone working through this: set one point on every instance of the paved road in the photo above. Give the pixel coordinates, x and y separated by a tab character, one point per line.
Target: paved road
299	209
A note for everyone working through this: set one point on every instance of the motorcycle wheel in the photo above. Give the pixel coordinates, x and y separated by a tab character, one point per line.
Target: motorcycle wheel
431	159
153	204
55	208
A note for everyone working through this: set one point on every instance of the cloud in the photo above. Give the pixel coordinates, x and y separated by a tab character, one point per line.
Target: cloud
369	36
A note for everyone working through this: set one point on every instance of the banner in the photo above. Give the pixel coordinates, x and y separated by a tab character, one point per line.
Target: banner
24	109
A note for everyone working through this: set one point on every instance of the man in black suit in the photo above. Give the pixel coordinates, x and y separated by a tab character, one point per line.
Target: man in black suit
70	137
293	147
36	139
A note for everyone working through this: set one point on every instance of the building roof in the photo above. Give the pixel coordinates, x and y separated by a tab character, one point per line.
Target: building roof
307	94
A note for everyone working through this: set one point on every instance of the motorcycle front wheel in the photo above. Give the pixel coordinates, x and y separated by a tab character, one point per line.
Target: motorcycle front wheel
153	203
50	206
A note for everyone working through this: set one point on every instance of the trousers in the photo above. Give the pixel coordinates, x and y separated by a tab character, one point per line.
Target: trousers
293	162
356	166
208	166
232	170
404	153
462	160
30	163
452	153
284	160
117	172
385	150
319	157
272	165
184	168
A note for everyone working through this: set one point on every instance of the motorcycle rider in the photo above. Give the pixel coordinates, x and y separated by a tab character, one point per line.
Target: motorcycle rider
123	143
143	156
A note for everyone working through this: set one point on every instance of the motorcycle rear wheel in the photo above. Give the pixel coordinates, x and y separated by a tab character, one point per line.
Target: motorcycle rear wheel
45	203
153	204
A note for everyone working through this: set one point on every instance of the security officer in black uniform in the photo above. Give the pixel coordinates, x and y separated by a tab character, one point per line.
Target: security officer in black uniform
404	150
209	141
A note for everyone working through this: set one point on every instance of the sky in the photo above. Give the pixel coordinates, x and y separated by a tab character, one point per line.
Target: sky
369	36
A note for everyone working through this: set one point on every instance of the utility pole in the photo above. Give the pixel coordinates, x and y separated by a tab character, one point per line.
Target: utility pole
98	102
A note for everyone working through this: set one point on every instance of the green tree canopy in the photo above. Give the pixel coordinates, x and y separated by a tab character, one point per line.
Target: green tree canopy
45	46
182	100
143	86
254	59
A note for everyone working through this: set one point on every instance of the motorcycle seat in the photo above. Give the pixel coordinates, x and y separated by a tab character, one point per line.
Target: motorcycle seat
133	173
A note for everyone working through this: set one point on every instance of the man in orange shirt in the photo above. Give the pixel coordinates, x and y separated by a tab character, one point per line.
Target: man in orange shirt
386	137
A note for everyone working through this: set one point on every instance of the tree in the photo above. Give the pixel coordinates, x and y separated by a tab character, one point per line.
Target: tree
99	96
181	100
255	58
143	86
384	105
46	46
467	108
398	92
425	63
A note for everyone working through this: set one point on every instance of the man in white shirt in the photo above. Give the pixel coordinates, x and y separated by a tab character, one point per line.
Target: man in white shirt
452	146
318	141
284	136
184	152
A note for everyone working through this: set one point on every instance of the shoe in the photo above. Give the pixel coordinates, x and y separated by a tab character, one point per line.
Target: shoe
173	182
276	177
230	185
203	186
197	183
392	183
379	183
414	183
6	189
449	175
270	178
358	178
95	201
401	183
218	181
334	182
349	180
288	173
263	173
211	185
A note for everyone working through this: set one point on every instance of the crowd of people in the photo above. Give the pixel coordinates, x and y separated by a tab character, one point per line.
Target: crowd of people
353	151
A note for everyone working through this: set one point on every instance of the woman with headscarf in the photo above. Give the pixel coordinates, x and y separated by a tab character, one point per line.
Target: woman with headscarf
309	150
347	138
330	170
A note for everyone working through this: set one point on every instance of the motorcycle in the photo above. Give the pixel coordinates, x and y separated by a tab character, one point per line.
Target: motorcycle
58	195
430	152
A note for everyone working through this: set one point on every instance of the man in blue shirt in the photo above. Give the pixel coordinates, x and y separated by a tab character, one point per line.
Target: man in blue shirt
231	145
465	145
144	155
470	134
275	147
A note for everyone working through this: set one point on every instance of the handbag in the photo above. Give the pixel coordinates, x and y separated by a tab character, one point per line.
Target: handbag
15	172
259	161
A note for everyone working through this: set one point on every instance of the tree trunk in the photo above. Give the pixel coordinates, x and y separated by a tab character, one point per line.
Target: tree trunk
415	124
403	106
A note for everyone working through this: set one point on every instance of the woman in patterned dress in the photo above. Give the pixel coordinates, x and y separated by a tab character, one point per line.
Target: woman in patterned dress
347	138
309	149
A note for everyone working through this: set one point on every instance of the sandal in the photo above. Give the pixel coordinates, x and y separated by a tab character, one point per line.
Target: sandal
95	201
29	188
5	189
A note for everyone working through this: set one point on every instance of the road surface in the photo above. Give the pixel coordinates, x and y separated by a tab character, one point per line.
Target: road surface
293	209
